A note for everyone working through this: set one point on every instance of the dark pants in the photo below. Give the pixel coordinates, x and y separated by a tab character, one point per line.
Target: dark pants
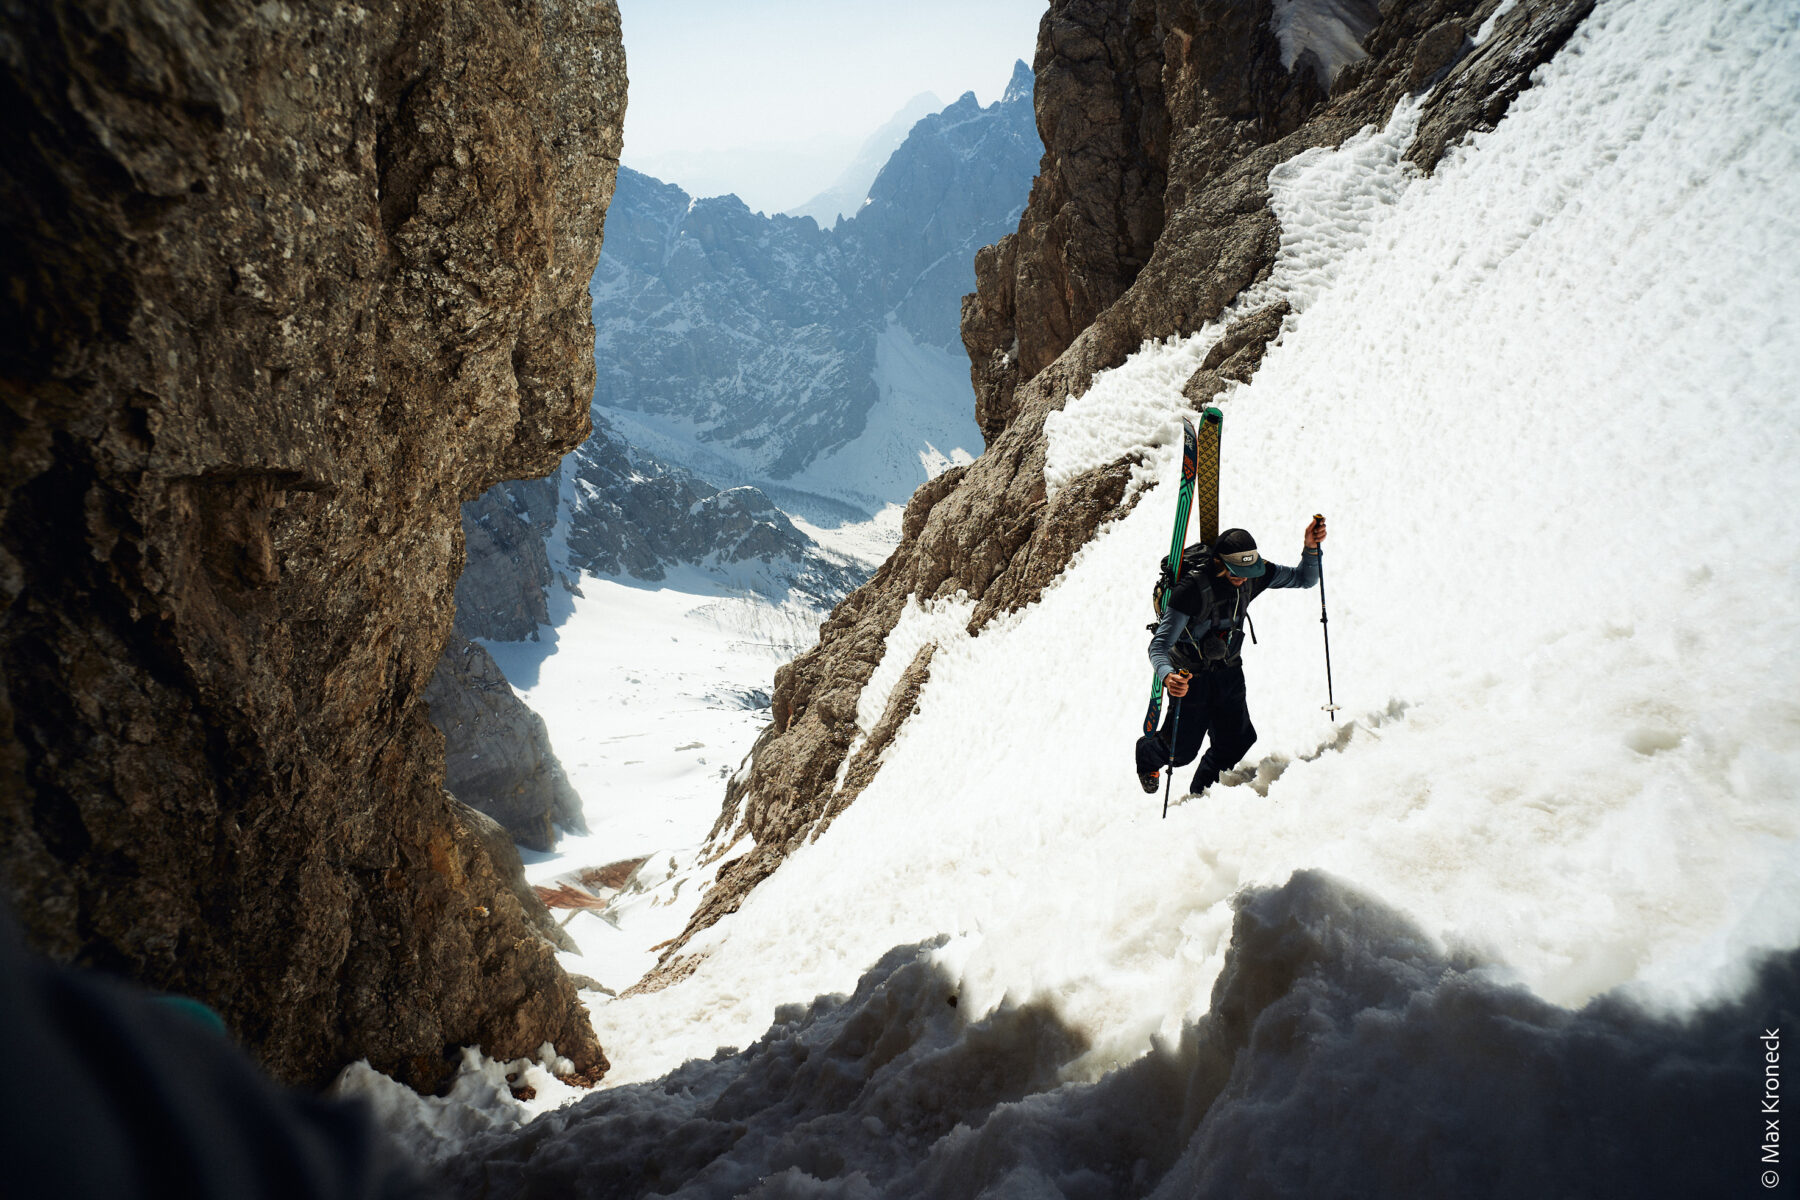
1214	705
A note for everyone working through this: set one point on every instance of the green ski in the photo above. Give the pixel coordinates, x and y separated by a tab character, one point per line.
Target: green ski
1199	484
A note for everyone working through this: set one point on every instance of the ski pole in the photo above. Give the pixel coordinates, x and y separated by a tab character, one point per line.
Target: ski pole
1331	705
1174	733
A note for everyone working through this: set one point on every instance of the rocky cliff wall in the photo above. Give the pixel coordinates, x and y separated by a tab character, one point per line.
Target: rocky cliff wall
503	592
1161	121
286	284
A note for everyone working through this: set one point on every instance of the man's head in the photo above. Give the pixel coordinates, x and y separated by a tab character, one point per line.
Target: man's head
1237	557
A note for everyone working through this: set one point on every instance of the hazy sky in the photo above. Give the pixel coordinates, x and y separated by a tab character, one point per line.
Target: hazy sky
716	76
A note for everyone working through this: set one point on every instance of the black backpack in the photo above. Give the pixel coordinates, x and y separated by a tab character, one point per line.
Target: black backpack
1220	648
1194	560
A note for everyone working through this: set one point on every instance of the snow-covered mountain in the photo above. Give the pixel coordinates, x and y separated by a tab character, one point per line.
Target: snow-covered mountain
626	513
823	365
847	193
1523	918
610	510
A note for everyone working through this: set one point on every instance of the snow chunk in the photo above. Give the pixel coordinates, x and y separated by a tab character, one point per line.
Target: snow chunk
1332	30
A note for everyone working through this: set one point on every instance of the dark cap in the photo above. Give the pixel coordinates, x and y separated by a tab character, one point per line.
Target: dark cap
1237	550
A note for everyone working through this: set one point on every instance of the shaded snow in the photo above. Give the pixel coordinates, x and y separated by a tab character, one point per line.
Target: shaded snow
1344	1055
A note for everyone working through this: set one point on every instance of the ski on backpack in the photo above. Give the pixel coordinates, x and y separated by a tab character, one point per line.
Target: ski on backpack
1199	482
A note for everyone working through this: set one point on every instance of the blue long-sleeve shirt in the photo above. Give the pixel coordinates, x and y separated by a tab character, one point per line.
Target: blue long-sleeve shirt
1175	622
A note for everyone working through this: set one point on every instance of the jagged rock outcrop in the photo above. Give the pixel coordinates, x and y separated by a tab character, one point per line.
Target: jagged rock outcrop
497	754
812	363
1161	122
1096	206
285	285
632	514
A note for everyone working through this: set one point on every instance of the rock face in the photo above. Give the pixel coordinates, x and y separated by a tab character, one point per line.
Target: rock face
497	755
286	284
1160	122
503	592
632	514
809	362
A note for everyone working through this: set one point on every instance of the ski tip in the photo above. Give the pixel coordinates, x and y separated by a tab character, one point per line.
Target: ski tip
1213	416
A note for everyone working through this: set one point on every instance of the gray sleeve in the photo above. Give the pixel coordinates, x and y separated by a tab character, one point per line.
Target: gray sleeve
1303	576
1167	630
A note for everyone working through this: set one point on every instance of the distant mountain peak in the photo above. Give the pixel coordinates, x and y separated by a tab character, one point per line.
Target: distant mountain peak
844	197
1020	85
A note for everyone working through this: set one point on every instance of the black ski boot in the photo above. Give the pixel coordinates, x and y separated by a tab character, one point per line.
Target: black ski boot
1149	781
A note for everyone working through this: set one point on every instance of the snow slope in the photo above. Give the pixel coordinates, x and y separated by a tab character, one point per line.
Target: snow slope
652	697
922	425
1545	396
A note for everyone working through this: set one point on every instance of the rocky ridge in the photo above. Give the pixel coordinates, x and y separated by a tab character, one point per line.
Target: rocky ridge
748	348
1150	214
630	513
285	286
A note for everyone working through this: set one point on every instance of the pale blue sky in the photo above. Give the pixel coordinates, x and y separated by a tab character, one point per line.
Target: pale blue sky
710	78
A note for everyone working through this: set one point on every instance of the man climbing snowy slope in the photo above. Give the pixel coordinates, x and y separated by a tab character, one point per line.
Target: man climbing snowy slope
1197	655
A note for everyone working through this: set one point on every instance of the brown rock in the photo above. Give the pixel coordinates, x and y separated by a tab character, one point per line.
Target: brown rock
1236	355
285	284
1483	85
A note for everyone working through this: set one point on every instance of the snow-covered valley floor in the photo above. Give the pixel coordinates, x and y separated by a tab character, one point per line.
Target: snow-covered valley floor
1521	899
652	698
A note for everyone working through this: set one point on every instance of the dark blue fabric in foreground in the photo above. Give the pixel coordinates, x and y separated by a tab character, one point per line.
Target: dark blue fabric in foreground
115	1095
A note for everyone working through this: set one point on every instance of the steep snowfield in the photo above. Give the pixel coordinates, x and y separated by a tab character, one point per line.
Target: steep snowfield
1545	397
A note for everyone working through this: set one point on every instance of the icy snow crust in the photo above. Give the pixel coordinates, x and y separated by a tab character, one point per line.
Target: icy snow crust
1545	398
